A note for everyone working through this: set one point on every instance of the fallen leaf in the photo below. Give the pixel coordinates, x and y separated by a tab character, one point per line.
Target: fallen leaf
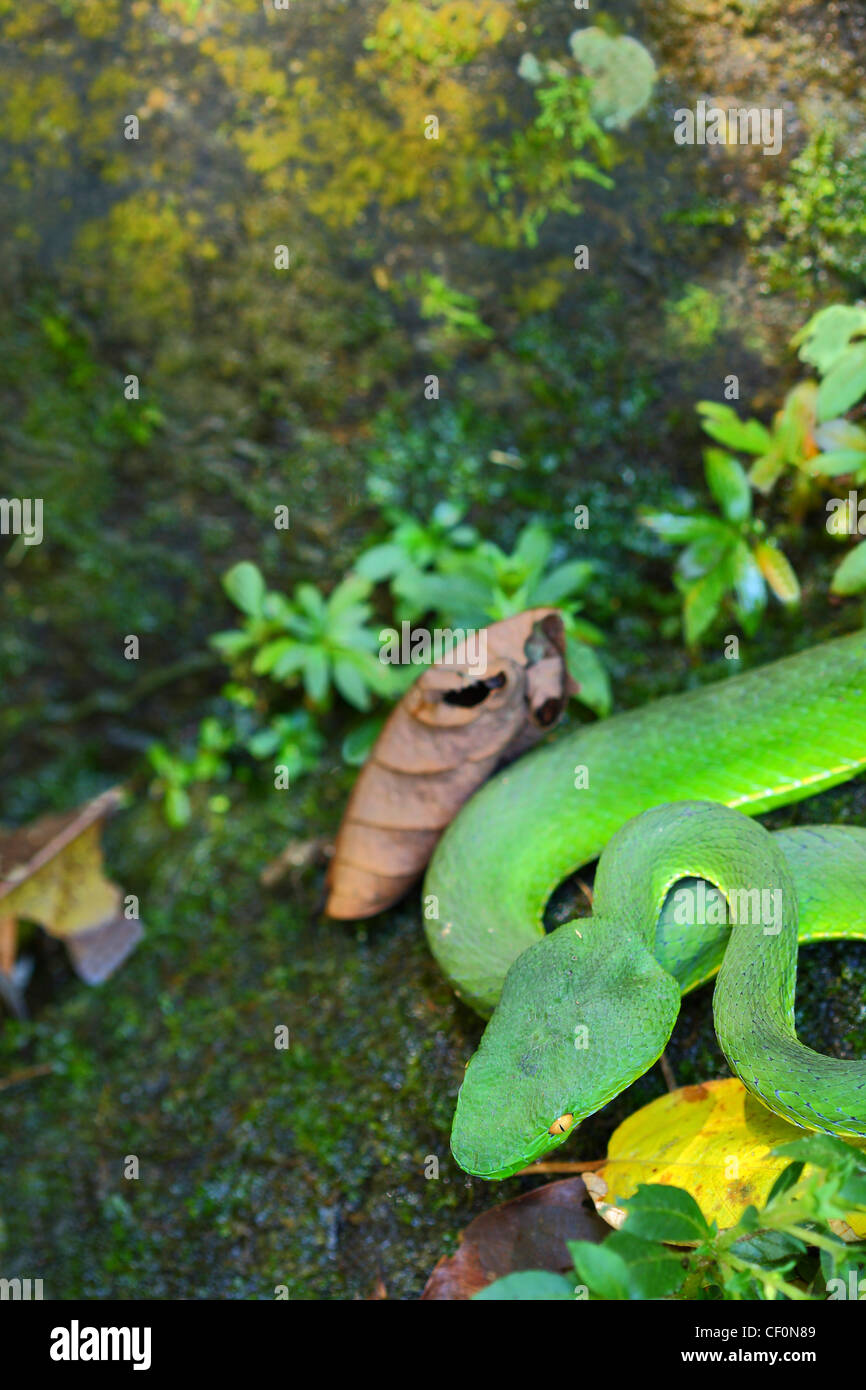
51	873
529	1232
453	728
714	1141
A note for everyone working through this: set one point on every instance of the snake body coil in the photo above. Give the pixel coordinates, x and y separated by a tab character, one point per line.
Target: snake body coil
589	1007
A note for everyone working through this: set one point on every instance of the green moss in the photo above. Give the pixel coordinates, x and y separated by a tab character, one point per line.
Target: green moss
305	1167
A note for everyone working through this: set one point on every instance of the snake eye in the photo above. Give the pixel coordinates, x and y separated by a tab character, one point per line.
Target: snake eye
562	1125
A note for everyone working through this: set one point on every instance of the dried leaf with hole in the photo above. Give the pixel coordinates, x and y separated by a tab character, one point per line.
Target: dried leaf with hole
460	721
51	874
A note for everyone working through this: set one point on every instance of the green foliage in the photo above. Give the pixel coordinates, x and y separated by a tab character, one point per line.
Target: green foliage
786	1251
325	644
222	746
693	319
413	545
810	437
534	174
724	557
812	227
471	586
458	311
176	772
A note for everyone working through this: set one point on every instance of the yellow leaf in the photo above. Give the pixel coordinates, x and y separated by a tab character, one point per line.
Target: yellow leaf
777	572
69	894
714	1141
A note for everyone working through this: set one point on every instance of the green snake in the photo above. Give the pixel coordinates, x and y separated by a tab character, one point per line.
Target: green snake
581	1012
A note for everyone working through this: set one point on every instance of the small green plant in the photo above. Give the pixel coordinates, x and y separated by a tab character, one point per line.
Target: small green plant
471	587
787	1250
812	228
809	432
323	644
290	741
692	320
536	172
812	443
175	773
416	545
457	311
727	557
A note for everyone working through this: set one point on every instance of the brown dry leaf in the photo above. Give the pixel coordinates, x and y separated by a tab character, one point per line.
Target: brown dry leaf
51	874
529	1232
453	728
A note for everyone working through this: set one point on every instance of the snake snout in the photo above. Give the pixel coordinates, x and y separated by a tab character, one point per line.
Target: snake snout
582	1014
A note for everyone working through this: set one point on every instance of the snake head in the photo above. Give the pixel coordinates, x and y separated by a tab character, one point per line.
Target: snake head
583	1013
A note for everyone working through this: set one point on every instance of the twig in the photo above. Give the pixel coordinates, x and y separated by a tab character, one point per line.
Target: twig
668	1072
587	1166
26	1074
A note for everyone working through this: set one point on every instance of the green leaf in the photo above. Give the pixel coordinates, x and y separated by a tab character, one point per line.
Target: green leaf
679	527
824	1151
590	674
277	609
749	587
231	644
825	338
264	742
245	587
529	1285
659	1212
284	653
162	761
654	1271
533	547
729	485
358	743
766	470
766	1247
603	1271
844	385
786	1179
840	433
316	674
353	589
702	602
382	562
850	577
308	598
561	583
351	684
721	422
834	464
177	807
704	555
